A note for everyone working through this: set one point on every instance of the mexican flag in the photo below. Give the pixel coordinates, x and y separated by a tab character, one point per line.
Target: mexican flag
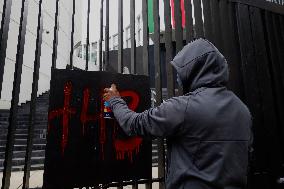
172	4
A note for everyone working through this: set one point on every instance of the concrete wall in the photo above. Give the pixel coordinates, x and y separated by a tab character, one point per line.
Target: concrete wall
64	34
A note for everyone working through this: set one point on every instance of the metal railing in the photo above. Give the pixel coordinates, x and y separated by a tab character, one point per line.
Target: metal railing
247	32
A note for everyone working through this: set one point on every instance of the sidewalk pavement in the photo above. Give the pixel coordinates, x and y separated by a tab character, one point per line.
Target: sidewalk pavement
36	180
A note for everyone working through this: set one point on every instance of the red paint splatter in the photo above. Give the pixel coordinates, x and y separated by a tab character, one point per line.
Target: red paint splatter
127	147
123	148
133	104
66	113
84	113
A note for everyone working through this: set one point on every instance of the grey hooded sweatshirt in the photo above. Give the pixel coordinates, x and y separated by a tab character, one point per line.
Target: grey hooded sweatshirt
207	130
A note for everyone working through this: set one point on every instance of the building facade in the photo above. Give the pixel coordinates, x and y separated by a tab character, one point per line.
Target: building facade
64	45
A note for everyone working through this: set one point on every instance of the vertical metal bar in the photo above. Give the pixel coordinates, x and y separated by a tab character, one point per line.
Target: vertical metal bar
15	96
274	64
120	44
169	48
145	37
135	185
146	50
33	99
207	20
4	37
178	26
178	32
230	46
198	19
72	35
248	66
107	36
216	24
132	34
55	37
88	37
120	37
271	148
278	44
101	36
188	20
158	87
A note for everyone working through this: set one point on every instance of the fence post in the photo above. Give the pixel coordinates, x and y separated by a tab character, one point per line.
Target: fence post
72	35
145	37
4	31
158	87
188	20
107	37
207	20
15	97
169	48
101	36
146	51
198	19
132	34
32	115
217	33
88	37
55	36
120	37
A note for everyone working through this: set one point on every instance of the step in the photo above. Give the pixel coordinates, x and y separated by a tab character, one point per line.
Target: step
19	117
20	136
22	154
34	167
24	126
21	161
23	147
24	131
25	114
41	135
24	141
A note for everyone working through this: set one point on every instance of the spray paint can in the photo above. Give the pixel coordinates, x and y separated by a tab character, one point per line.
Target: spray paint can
108	114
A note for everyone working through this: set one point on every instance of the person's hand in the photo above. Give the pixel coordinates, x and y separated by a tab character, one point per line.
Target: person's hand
111	92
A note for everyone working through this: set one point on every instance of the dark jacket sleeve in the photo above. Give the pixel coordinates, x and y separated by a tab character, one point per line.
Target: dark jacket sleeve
162	121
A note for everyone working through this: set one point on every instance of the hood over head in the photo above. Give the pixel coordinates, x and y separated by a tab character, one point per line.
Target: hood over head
200	64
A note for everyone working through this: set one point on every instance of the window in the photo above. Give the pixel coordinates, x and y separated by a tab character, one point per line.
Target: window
115	42
139	30
79	54
128	37
85	52
94	53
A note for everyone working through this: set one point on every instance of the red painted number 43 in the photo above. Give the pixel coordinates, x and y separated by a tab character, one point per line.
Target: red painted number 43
124	148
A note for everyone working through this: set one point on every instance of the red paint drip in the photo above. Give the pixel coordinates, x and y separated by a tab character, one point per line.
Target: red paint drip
127	147
123	148
84	113
66	113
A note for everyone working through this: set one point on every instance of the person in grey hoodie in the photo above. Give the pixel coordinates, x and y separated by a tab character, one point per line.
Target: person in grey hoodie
207	129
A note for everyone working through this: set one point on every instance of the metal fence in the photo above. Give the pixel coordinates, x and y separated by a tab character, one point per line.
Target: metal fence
250	33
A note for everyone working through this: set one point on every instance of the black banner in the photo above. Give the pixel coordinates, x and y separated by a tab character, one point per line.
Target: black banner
84	146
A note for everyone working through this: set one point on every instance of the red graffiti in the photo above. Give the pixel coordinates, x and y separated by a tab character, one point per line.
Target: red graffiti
102	124
133	104
66	113
127	147
84	113
123	148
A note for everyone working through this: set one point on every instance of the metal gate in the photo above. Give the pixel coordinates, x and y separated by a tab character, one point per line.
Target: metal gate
250	33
